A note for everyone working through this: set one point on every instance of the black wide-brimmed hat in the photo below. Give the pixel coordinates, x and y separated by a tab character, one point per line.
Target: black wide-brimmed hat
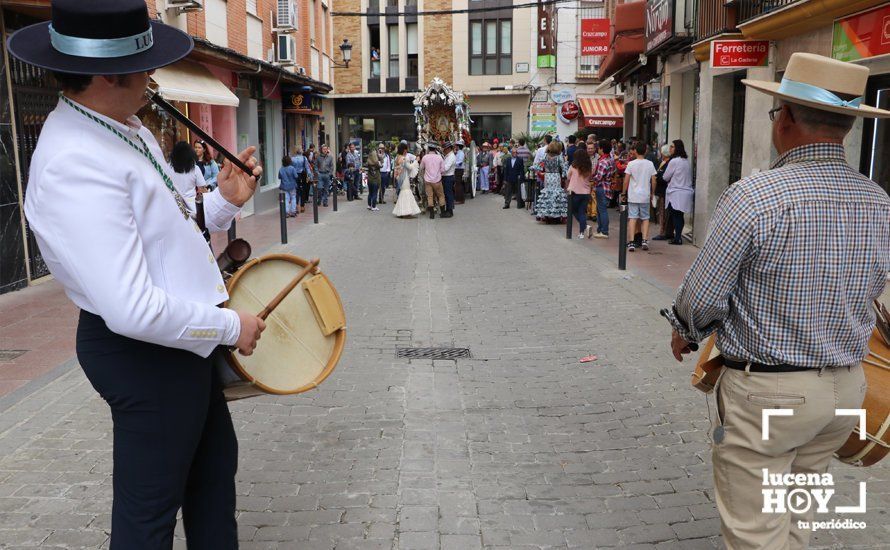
100	37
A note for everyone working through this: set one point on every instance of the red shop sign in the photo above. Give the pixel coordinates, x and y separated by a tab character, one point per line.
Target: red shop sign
604	121
595	36
738	54
862	35
569	111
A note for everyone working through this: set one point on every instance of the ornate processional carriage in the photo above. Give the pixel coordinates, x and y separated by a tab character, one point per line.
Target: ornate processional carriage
443	114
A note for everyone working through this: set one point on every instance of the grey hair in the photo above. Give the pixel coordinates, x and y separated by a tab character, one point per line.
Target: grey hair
819	121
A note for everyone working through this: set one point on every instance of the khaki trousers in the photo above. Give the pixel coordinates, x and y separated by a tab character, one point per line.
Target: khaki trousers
802	443
435	191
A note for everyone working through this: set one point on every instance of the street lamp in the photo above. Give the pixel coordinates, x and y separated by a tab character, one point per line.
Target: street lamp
346	50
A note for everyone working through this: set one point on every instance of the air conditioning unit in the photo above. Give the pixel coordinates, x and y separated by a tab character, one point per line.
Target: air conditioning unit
286	50
185	5
286	20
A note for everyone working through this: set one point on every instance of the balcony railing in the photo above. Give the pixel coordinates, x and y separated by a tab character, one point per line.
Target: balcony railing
749	9
714	17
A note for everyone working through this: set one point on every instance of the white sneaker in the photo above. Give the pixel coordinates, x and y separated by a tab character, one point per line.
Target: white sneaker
375	209
580	235
369	208
600	236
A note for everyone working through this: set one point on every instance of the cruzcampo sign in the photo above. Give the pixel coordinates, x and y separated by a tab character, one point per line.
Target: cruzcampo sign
739	54
863	35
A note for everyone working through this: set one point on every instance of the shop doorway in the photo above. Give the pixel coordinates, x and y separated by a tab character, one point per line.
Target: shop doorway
737	135
875	162
36	95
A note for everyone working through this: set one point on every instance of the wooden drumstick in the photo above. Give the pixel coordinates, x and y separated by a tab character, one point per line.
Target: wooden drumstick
286	290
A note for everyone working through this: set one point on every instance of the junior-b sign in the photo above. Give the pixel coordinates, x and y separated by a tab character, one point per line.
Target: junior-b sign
739	54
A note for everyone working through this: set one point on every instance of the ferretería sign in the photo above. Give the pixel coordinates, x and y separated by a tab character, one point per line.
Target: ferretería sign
659	22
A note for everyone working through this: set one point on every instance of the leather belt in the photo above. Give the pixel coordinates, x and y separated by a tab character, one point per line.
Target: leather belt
760	367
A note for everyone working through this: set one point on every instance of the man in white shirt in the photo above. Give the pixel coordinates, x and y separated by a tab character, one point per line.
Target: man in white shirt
459	164
385	172
449	165
119	238
639	185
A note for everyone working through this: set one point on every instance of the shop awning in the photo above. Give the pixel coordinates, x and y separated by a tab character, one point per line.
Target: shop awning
601	106
602	112
192	82
628	38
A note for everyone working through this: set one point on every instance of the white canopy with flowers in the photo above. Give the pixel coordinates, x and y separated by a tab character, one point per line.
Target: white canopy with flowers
441	114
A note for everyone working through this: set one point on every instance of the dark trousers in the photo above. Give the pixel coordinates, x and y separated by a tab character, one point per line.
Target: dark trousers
174	444
352	187
372	193
579	209
459	185
675	226
384	183
602	211
513	190
303	186
448	185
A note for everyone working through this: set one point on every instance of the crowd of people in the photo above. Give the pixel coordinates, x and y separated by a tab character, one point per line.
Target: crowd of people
582	178
585	178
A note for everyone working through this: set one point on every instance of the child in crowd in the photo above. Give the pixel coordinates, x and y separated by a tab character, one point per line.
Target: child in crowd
639	185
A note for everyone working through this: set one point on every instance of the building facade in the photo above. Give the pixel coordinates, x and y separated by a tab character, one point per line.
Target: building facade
491	50
850	30
256	66
660	61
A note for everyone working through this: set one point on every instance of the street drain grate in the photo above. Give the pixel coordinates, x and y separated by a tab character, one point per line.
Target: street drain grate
10	354
433	353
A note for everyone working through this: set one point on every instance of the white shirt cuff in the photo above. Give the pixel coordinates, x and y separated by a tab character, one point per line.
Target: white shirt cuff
218	212
233	328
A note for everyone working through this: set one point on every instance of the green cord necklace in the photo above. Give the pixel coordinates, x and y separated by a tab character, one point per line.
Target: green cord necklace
180	202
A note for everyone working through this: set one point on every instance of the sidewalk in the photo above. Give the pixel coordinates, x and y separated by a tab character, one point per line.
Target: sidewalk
37	324
664	264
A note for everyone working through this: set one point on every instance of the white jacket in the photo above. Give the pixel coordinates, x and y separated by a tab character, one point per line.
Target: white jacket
112	235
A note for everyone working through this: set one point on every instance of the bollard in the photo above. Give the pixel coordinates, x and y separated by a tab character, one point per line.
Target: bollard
569	215
283	215
315	201
622	235
335	191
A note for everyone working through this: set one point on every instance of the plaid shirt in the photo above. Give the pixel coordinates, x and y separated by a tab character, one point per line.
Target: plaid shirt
602	175
791	265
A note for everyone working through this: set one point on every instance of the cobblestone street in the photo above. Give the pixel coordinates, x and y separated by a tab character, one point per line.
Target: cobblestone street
519	446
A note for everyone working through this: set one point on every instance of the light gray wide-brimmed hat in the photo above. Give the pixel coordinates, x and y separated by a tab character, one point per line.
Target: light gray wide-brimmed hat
820	82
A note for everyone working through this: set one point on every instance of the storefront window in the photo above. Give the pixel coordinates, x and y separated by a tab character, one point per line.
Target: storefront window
381	128
488	127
